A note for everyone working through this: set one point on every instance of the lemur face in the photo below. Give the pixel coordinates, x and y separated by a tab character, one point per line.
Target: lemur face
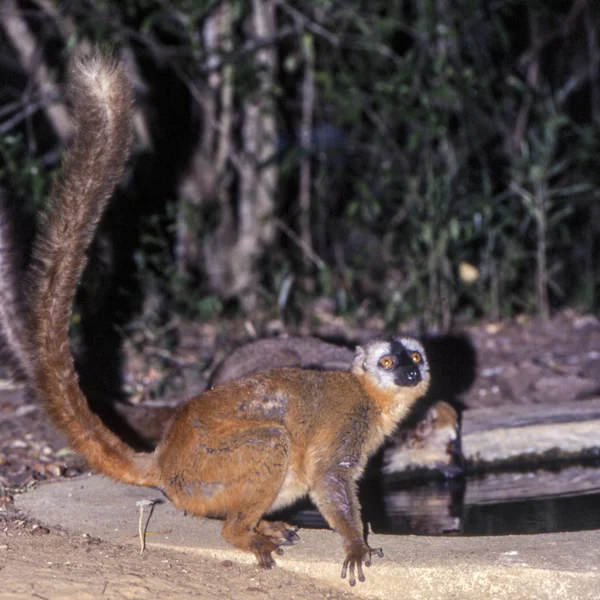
410	363
401	362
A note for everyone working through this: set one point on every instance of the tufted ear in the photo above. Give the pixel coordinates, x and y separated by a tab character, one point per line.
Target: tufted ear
358	364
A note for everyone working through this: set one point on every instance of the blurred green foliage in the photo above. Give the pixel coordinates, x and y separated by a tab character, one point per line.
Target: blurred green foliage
454	151
22	173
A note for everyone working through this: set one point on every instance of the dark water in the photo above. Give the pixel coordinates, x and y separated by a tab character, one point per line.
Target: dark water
498	504
574	513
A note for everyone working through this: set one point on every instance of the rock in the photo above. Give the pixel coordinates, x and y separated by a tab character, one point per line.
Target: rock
531	433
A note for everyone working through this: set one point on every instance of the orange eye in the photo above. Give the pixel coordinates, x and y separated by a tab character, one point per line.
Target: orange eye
386	362
416	357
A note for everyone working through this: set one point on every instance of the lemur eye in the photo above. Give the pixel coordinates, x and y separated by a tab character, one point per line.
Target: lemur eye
416	357
386	362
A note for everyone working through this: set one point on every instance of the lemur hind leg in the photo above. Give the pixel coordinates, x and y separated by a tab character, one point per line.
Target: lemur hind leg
279	530
252	476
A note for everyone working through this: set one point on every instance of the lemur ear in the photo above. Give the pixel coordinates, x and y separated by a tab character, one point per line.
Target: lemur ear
358	364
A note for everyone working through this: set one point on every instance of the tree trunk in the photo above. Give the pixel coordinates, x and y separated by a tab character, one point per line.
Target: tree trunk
228	252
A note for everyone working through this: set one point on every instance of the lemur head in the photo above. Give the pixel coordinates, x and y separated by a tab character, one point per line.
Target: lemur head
400	362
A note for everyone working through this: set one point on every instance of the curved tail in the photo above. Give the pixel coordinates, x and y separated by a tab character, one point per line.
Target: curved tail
102	114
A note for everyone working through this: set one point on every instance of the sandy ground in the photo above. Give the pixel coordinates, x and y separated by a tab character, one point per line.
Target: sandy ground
185	555
41	562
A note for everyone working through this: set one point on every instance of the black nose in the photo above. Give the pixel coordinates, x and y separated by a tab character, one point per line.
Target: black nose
408	376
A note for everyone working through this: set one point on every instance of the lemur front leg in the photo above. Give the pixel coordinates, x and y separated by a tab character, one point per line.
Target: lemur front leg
335	495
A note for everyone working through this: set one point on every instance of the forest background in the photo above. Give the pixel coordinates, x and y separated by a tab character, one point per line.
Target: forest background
425	161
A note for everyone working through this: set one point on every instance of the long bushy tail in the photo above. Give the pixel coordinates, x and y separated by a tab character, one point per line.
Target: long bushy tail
102	105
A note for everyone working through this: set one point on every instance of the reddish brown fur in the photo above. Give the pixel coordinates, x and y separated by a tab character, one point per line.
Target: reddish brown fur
242	449
256	444
102	102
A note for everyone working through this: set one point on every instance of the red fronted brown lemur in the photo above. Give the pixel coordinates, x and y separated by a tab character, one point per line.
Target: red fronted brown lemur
244	448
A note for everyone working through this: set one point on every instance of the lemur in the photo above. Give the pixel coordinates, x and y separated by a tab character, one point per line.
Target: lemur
244	448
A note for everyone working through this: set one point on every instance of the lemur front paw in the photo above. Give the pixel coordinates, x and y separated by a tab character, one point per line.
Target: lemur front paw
358	554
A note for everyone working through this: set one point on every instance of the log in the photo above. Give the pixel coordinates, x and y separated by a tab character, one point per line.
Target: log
508	435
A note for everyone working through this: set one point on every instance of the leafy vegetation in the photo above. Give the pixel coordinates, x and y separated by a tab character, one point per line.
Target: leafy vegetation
429	160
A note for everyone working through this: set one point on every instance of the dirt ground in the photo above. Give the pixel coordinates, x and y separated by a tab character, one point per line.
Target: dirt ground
519	361
38	562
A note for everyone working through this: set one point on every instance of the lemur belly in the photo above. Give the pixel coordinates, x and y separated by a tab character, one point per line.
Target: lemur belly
293	488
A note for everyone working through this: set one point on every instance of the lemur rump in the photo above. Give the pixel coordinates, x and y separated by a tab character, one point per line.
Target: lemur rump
244	448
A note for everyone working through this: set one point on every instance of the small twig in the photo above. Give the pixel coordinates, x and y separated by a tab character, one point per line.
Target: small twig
309	253
142	529
308	23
